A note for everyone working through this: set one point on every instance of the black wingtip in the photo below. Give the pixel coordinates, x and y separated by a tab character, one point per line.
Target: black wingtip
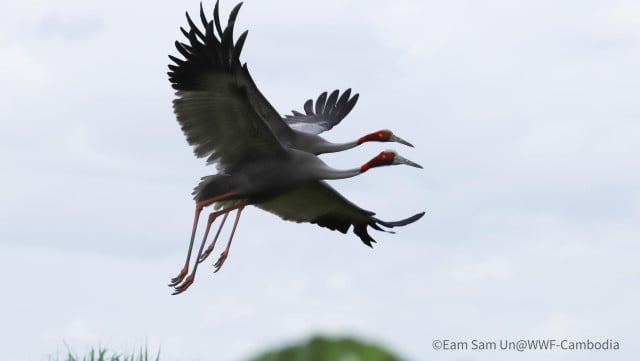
203	18
321	102
238	47
400	223
361	231
210	47
193	26
308	107
234	13
331	102
344	105
216	18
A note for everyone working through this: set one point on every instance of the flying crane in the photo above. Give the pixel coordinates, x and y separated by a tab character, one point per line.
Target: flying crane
259	157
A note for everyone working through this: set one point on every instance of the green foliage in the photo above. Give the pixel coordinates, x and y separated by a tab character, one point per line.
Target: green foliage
329	349
315	349
103	354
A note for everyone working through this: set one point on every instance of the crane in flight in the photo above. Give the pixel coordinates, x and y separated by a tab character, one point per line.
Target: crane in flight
327	112
262	180
259	156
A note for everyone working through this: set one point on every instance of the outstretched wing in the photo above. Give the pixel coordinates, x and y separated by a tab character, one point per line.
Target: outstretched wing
327	112
317	202
219	108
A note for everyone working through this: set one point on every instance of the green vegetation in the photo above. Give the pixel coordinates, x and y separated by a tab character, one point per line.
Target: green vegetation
329	349
103	354
315	349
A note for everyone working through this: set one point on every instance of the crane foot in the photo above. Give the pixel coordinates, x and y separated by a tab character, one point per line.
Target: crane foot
177	279
220	262
206	254
183	287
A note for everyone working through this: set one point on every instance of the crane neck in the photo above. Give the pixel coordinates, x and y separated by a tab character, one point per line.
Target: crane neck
337	147
331	173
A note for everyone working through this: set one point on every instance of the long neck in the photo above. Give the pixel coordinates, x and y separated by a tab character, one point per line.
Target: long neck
310	167
330	173
329	147
340	174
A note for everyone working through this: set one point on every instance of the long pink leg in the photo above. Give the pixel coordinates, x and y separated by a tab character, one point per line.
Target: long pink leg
209	249
225	253
199	206
191	278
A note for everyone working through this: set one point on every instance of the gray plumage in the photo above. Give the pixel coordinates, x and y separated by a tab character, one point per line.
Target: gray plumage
328	112
262	159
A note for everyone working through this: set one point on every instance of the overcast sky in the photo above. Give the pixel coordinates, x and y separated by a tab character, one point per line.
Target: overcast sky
524	114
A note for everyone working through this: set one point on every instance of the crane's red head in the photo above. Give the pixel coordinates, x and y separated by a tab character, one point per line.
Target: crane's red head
384	135
388	157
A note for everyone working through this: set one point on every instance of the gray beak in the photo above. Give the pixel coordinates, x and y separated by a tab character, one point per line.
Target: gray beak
397	139
402	160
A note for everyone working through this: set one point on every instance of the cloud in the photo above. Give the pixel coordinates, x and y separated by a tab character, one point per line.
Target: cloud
70	27
20	69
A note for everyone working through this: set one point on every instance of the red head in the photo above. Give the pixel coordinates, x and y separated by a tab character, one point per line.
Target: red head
388	157
384	135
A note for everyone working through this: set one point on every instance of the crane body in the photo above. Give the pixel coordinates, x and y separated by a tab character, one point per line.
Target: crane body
262	158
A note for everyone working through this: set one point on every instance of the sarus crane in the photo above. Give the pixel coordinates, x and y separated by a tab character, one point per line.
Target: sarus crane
260	159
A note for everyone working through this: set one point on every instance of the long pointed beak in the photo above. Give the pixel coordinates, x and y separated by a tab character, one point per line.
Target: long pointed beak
402	160
395	138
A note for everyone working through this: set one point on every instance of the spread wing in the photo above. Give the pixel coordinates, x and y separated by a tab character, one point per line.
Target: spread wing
220	110
327	112
317	202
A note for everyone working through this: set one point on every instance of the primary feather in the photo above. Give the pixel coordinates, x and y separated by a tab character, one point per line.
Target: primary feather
326	114
319	203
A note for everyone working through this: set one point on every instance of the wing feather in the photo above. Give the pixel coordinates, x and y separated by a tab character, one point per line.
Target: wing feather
331	101
308	107
317	202
327	112
218	106
320	103
193	26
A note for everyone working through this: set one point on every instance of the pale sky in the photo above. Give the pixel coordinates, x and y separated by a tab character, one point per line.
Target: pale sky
524	114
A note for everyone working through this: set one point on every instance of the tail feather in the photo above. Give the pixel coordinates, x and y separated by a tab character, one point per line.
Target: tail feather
400	223
360	229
